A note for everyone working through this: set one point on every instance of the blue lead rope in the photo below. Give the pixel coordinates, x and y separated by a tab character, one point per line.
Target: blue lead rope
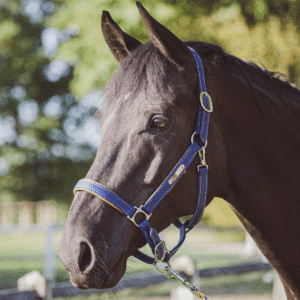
151	235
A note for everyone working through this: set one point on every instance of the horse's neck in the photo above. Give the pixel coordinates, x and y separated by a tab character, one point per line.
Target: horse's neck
261	180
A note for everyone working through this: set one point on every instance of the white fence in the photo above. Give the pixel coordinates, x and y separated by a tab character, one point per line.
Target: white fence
34	217
26	214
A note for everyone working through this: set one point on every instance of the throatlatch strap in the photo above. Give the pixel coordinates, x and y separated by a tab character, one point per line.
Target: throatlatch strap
205	107
202	193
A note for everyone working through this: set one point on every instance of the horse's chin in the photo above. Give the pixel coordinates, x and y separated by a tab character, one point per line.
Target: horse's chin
113	278
97	279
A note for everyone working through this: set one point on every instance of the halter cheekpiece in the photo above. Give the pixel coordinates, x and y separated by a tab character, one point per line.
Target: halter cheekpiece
161	254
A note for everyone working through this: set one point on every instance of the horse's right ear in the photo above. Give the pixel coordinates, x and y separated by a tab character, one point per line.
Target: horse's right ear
120	43
165	41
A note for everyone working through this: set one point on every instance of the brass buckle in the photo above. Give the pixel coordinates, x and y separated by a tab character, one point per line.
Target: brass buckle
202	157
210	109
164	270
138	210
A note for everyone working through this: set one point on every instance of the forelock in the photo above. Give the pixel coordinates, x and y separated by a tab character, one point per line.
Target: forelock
145	71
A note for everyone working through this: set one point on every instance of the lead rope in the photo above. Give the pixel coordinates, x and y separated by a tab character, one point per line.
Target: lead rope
171	274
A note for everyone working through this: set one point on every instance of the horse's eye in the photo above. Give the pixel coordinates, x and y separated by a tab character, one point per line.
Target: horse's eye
159	123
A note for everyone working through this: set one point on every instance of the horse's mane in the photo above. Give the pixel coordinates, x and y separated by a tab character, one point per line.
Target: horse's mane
145	67
217	55
148	71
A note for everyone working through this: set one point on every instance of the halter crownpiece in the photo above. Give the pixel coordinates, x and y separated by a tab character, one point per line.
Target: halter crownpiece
161	254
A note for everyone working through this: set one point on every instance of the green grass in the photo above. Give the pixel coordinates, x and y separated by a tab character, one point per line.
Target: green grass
23	253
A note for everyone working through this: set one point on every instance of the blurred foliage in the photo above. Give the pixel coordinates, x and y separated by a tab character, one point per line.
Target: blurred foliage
34	163
40	159
218	213
264	29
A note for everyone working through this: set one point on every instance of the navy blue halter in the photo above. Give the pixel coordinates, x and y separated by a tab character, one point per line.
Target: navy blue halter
150	234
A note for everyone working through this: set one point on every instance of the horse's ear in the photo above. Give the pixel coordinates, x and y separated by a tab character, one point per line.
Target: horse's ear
120	43
165	41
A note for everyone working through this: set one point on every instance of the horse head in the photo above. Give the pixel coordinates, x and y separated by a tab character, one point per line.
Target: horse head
147	125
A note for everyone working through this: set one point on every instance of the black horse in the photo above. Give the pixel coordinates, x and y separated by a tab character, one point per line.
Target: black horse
253	153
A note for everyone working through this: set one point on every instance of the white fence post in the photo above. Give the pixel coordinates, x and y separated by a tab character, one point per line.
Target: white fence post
46	213
7	213
278	289
25	213
50	260
186	265
251	249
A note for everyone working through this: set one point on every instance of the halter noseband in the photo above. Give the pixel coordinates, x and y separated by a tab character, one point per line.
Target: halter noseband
157	246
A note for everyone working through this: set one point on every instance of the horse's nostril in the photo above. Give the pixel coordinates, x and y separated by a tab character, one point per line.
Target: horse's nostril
85	257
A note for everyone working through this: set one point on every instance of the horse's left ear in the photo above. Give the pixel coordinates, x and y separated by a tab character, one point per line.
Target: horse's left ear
167	43
120	43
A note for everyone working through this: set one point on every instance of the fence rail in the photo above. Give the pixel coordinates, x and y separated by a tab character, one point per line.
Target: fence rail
234	270
136	281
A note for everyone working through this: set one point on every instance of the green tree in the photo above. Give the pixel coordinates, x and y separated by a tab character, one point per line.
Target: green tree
38	157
